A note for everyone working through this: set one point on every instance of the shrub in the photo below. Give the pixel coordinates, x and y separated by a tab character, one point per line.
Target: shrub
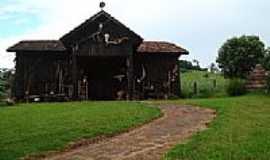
268	83
236	87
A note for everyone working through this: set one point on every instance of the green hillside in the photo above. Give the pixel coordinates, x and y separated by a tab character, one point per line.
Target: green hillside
205	84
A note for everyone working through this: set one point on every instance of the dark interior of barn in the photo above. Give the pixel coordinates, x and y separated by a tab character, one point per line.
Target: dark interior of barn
102	78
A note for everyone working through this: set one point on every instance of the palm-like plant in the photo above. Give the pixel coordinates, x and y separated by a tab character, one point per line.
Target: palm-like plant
5	82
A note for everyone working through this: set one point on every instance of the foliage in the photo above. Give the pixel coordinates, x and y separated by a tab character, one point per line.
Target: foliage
266	60
5	82
196	62
187	65
236	87
213	68
35	128
2	85
268	83
238	56
241	131
208	84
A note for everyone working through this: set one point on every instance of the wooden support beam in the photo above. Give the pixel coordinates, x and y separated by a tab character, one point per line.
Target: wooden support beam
176	83
74	72
178	80
130	77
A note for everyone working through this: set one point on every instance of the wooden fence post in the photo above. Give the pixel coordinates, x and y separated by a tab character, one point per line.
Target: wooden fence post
215	83
195	88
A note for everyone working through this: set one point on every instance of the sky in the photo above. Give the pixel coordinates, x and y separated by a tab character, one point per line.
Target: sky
200	26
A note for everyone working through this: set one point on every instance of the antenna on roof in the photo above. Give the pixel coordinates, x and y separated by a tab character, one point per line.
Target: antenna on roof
102	4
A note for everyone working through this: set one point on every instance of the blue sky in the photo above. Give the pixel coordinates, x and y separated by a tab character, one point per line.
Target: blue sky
17	23
14	22
201	26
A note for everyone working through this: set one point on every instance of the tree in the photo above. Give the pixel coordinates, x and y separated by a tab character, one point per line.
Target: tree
266	65
6	80
213	68
238	56
266	60
187	65
196	62
183	64
2	84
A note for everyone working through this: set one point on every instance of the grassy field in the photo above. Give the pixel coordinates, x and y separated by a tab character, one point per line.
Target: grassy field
34	128
205	82
240	132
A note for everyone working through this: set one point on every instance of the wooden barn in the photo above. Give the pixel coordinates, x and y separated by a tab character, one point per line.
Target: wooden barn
101	59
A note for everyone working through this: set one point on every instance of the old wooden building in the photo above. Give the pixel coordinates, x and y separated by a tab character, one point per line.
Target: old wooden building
101	59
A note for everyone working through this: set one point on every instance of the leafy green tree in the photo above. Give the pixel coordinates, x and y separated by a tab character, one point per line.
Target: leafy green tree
266	65
187	65
238	56
266	60
196	62
213	68
6	80
2	84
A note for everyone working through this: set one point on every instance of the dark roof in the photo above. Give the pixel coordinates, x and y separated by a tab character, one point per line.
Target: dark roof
38	45
160	47
92	20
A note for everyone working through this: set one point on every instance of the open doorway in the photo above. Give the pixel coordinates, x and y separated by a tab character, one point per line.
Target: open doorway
103	78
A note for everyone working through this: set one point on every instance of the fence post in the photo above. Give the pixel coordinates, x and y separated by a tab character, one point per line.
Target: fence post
195	88
215	83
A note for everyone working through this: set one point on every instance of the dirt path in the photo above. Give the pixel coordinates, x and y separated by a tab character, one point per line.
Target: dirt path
149	142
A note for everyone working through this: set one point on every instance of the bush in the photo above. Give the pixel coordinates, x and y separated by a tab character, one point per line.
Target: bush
268	83
236	87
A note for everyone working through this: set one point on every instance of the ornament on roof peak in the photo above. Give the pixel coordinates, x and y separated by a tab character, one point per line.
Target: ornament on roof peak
102	4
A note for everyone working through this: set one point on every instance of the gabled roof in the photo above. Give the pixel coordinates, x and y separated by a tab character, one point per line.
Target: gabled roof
160	47
91	20
92	25
57	46
38	45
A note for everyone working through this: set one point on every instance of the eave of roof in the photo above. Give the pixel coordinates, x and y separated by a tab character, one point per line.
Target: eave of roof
161	47
38	45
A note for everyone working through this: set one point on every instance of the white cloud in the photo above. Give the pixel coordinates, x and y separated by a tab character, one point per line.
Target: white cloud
6	60
199	25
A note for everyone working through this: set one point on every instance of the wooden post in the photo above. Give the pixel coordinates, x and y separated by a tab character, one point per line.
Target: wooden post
74	72
178	80
195	88
215	83
130	77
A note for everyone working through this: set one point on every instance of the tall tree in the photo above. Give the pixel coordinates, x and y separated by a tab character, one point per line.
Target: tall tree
196	62
6	80
239	55
266	60
213	68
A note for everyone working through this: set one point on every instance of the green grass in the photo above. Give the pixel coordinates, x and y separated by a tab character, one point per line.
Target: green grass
241	131
35	128
205	84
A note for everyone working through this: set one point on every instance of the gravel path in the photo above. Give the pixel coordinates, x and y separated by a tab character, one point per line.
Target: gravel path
149	142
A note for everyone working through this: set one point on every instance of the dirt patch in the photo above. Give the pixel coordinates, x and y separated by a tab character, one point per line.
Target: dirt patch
149	142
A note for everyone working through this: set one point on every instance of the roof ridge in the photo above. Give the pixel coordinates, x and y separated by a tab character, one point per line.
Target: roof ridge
89	20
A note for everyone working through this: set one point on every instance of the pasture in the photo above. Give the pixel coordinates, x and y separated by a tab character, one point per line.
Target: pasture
209	85
241	131
35	128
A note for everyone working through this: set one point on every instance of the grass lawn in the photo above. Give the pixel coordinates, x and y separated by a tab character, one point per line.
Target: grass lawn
205	82
240	132
35	128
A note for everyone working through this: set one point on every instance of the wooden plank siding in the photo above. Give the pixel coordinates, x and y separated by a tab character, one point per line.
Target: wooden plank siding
102	58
